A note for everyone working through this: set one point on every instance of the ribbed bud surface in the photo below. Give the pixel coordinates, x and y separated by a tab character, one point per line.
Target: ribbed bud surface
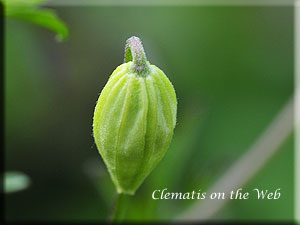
133	124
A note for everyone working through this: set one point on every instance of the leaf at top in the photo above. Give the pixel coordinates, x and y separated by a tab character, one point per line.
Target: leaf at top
23	2
28	10
15	181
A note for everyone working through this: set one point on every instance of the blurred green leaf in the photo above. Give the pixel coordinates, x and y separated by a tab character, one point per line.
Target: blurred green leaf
23	2
28	10
15	181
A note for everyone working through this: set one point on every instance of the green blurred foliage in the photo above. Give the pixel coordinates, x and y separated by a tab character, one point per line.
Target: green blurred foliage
15	181
29	10
232	68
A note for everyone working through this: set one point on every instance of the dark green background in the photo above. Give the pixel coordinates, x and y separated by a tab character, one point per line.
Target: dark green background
232	68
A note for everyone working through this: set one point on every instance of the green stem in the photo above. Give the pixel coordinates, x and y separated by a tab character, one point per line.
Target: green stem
120	208
134	51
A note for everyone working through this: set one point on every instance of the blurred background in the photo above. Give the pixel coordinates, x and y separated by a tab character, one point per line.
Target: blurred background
232	68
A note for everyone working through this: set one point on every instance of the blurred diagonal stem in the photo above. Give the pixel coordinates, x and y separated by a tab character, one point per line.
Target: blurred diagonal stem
247	166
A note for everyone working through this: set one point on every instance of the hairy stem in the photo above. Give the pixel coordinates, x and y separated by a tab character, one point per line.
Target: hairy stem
134	51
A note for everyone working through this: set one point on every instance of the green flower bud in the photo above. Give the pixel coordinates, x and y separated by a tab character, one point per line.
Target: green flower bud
134	119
